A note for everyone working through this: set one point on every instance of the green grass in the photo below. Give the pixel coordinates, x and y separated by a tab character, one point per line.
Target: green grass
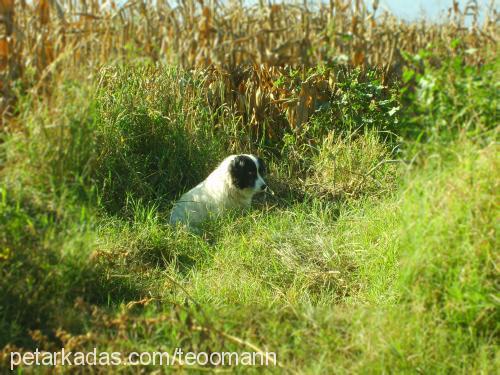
377	254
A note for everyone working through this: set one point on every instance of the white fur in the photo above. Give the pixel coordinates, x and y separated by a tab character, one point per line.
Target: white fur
214	195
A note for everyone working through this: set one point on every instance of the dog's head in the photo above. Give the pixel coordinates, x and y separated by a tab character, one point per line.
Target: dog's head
247	172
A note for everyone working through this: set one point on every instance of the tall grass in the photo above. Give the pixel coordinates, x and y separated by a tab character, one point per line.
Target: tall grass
397	284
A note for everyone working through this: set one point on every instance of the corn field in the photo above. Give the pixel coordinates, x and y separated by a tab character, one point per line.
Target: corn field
243	49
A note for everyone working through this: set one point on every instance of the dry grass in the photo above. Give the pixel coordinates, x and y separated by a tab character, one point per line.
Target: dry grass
37	39
352	167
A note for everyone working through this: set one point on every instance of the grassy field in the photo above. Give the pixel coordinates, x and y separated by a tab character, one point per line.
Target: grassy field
378	252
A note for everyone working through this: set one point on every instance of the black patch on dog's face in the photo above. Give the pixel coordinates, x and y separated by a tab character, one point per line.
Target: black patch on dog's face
243	172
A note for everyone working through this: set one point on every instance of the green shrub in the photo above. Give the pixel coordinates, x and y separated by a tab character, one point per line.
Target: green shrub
449	100
360	102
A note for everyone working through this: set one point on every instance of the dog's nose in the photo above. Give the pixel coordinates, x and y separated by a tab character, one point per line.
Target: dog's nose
263	187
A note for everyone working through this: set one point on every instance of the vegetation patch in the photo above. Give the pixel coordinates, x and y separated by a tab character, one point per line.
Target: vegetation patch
377	252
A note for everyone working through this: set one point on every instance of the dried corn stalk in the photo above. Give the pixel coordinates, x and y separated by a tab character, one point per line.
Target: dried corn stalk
246	45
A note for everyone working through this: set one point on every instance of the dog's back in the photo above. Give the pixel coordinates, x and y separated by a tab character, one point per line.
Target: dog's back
231	185
193	207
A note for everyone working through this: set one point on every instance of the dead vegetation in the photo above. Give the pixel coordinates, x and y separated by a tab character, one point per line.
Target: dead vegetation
245	46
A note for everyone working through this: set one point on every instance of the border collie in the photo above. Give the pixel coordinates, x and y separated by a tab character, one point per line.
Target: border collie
231	185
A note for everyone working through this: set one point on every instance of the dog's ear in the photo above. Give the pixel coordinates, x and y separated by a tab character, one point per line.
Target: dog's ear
238	170
237	163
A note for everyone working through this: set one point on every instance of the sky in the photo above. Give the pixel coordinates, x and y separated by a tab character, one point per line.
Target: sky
411	9
406	9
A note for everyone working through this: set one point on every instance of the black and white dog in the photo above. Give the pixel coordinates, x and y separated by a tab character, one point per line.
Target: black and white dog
231	185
